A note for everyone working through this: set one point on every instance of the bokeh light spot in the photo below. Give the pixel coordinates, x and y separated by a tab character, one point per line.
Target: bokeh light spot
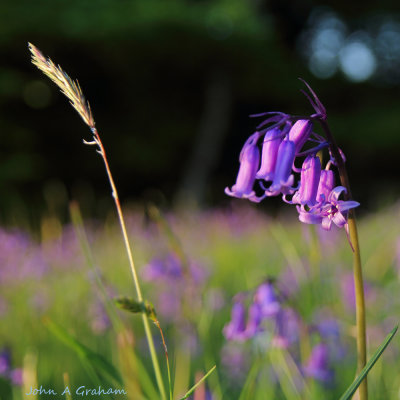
357	61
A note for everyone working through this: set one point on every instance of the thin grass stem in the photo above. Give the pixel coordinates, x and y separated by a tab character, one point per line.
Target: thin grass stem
128	249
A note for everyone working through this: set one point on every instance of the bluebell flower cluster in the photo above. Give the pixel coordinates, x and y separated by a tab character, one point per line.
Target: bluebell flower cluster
269	156
267	316
266	307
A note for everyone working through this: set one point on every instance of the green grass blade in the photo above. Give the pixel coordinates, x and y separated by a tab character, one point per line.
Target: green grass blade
198	383
248	387
353	387
88	357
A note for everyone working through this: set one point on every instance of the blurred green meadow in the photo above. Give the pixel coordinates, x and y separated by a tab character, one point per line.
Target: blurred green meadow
61	326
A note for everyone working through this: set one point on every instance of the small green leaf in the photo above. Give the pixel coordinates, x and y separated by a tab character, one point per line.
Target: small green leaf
188	393
353	387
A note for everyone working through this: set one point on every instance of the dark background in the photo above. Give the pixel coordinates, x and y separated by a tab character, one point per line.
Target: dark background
171	84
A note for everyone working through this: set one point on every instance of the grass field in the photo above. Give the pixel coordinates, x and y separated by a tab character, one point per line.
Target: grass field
61	328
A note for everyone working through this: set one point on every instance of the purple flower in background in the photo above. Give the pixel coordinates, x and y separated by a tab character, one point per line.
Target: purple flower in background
236	328
100	320
287	328
169	305
254	320
178	285
169	268
264	307
317	366
16	376
267	300
5	361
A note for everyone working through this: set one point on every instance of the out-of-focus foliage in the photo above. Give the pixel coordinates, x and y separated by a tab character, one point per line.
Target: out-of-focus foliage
235	251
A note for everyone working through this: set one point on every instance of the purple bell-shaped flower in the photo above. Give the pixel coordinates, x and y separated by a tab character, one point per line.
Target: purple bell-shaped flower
249	162
283	180
309	183
300	132
269	154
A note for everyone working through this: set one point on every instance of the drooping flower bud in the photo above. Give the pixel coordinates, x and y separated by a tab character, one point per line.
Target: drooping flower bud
310	179
300	132
272	140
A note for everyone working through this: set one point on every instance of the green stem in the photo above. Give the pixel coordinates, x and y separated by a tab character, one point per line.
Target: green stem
146	325
357	270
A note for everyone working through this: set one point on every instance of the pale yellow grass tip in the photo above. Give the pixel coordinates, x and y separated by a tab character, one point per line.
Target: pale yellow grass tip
70	88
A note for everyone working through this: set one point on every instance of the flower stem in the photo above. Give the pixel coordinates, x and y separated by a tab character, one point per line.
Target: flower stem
146	325
357	270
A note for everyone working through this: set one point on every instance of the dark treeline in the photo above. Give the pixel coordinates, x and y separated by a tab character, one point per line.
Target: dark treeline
171	85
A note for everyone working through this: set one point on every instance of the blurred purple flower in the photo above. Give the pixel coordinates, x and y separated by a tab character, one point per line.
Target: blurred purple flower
5	361
317	366
168	304
267	300
19	258
99	319
16	376
236	328
287	328
254	319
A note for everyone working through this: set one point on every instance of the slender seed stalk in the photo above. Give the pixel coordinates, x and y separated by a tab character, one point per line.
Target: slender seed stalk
146	325
73	92
357	270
